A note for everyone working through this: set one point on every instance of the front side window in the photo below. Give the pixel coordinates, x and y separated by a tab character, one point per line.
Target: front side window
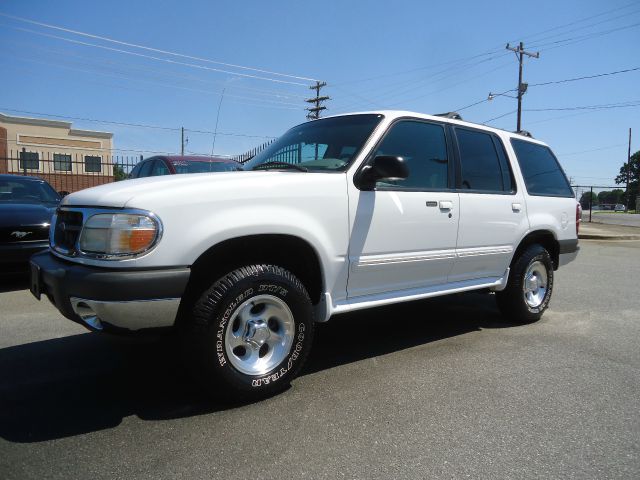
540	169
62	162
92	163
482	169
29	161
329	144
424	149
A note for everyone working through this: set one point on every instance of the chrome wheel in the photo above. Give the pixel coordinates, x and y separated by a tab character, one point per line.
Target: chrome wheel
535	284
259	334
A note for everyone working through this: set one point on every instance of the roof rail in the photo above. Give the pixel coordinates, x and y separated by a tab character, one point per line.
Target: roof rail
454	115
524	133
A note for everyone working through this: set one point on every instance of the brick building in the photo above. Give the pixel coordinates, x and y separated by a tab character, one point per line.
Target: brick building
69	159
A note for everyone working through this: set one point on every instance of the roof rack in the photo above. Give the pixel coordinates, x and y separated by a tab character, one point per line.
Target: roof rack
524	133
454	115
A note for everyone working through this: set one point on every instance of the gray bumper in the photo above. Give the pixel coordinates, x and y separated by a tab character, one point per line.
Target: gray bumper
110	299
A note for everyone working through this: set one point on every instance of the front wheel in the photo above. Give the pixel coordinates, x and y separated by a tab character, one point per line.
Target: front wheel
529	288
250	332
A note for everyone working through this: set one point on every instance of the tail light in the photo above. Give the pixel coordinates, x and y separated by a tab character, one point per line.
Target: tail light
578	217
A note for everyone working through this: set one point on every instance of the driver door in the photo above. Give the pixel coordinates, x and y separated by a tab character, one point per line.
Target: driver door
404	233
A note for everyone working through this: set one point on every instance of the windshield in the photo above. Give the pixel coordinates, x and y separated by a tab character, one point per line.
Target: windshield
20	190
195	166
329	144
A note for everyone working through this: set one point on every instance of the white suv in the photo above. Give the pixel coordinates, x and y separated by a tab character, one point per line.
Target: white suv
339	214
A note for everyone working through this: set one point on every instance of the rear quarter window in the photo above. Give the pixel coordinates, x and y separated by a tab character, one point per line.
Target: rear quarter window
542	173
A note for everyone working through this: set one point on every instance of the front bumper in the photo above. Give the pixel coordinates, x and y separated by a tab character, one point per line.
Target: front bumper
109	299
14	257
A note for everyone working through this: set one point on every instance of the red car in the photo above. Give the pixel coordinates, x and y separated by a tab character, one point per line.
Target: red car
174	164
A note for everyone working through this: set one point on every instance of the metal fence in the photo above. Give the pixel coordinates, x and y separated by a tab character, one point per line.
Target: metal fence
69	172
598	198
245	157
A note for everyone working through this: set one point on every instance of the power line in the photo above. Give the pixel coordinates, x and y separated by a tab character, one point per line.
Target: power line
584	19
570	41
125	124
585	77
565	32
160	59
631	103
592	150
127	67
500	116
269	103
151	49
567	80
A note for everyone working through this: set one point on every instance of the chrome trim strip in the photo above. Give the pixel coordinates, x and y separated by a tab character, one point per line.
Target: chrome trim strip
478	251
131	315
416	257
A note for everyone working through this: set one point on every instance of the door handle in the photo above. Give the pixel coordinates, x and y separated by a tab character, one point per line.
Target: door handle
446	205
516	207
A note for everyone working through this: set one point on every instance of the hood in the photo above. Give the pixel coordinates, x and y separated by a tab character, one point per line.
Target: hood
25	214
147	192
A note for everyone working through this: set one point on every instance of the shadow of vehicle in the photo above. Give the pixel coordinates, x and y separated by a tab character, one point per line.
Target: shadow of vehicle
84	383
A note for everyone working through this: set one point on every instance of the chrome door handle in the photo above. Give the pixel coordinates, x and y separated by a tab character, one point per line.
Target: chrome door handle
516	207
446	205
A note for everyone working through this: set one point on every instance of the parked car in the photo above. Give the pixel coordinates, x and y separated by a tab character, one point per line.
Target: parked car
339	214
620	208
26	207
171	165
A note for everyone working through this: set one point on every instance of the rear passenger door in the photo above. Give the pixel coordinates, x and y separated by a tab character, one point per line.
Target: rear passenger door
493	214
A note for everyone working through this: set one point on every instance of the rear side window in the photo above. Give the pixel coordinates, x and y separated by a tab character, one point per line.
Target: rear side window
540	169
483	167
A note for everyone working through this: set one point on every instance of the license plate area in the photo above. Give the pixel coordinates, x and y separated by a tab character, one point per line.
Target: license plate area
35	283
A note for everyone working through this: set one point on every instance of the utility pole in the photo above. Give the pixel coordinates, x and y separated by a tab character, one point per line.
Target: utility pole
182	141
314	112
629	172
522	87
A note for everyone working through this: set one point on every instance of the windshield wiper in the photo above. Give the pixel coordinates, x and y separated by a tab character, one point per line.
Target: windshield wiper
281	164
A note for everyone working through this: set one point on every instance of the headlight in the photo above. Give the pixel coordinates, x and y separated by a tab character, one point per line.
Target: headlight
119	234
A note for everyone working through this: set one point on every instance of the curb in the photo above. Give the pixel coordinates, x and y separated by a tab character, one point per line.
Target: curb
596	236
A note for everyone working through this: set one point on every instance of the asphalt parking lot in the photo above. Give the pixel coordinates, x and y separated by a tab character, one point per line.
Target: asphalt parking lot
433	389
630	219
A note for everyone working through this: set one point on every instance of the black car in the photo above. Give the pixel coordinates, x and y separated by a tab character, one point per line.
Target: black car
26	207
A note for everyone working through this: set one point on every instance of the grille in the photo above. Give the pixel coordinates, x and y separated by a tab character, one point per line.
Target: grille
29	233
66	231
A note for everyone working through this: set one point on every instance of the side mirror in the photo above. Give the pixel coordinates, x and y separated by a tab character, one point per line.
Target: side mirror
63	193
383	167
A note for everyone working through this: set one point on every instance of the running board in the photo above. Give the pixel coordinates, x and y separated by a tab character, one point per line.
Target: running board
378	300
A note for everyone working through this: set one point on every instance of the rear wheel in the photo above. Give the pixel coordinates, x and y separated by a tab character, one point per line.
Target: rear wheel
529	288
250	332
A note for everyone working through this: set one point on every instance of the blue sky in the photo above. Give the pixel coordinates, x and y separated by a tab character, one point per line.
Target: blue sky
425	56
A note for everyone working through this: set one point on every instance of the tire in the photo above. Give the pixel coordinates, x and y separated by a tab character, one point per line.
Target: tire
524	301
250	333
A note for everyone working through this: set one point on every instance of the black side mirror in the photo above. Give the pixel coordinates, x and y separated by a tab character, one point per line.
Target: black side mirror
63	193
383	167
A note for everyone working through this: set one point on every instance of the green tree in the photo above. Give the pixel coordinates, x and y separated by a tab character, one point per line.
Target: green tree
584	200
118	173
634	179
